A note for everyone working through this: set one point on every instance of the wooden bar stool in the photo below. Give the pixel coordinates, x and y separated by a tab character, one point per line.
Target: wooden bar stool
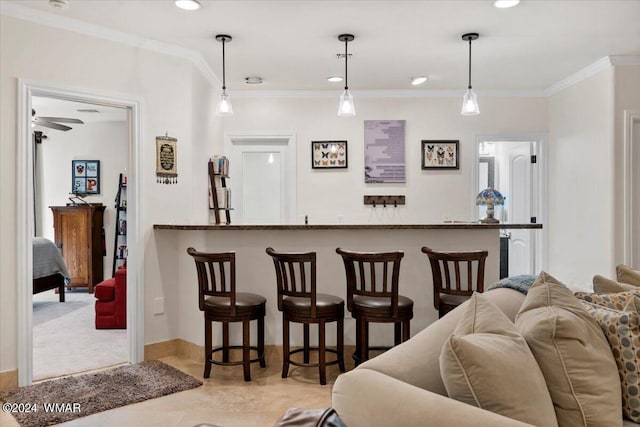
372	296
300	303
221	303
448	277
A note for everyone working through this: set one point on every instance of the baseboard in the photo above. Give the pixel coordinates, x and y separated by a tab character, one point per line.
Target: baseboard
8	380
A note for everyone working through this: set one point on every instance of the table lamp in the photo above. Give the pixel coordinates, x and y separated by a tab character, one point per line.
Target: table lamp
489	197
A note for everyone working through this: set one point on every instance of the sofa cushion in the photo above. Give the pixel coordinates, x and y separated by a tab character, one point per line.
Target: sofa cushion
628	275
602	285
105	291
573	353
622	329
483	362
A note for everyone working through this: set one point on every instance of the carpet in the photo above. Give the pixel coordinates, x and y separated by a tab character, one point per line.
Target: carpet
65	340
65	399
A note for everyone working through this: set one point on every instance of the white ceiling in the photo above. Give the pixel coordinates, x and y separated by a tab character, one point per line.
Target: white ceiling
292	45
51	107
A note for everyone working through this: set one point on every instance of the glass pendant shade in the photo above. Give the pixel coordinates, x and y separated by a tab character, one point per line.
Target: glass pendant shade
224	107
470	105
346	108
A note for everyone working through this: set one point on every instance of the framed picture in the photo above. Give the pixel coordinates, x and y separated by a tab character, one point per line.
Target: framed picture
85	177
440	155
329	155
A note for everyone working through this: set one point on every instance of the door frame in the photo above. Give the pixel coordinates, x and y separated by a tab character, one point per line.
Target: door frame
538	181
631	117
285	142
25	227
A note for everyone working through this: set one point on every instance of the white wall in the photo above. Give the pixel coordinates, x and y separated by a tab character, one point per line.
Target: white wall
431	195
174	98
581	180
104	141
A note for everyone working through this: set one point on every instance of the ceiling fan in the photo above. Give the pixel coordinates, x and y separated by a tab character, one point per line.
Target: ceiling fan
50	122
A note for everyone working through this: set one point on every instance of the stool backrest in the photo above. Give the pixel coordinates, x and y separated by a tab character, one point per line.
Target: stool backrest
373	274
216	276
456	273
295	275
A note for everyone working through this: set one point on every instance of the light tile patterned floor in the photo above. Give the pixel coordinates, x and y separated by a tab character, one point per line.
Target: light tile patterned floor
225	399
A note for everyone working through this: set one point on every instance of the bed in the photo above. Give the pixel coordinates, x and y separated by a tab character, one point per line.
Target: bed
49	269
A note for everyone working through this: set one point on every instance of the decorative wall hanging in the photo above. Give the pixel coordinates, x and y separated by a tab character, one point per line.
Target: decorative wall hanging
85	177
384	151
329	155
440	155
166	160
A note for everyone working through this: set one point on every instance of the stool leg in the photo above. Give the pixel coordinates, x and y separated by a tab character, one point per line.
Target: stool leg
397	333
285	346
322	354
263	364
364	341
305	327
225	342
340	345
356	354
208	347
246	355
406	330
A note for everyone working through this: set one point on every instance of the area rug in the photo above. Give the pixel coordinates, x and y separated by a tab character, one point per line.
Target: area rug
65	399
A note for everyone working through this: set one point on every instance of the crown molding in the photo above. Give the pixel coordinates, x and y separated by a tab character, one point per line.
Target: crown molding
60	22
583	74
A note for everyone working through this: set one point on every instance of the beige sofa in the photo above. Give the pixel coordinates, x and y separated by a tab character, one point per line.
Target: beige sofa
403	386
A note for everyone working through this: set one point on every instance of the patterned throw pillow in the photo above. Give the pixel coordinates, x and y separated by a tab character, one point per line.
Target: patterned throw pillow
616	301
622	329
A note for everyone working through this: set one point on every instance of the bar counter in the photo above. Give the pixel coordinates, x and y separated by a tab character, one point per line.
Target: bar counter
255	271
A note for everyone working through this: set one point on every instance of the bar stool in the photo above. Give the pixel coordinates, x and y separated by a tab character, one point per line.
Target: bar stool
372	296
447	292
300	303
221	303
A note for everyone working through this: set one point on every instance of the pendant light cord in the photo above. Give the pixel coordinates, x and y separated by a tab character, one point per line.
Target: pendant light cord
224	81
469	63
346	58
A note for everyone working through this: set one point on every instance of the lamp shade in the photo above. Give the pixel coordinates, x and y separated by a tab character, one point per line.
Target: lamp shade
470	105
224	107
489	196
346	108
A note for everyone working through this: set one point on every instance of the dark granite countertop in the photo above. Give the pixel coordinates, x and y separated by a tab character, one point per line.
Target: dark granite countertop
442	226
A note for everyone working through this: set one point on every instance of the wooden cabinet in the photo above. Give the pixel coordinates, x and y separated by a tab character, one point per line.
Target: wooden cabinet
80	236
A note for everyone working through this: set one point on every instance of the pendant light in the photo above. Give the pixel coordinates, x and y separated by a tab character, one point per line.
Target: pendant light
224	107
346	108
470	105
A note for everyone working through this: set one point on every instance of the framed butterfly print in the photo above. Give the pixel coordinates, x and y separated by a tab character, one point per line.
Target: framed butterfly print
440	155
329	154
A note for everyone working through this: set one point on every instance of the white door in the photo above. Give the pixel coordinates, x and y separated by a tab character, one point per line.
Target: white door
506	165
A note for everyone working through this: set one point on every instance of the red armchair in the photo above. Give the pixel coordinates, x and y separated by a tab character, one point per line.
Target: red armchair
111	302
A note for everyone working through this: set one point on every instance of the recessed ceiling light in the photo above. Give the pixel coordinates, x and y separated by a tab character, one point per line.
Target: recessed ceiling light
59	4
188	4
415	81
253	80
334	79
503	4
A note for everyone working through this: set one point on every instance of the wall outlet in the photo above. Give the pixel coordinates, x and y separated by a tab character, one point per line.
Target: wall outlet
158	306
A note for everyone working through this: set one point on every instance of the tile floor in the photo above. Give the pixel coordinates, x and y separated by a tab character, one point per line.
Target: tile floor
225	399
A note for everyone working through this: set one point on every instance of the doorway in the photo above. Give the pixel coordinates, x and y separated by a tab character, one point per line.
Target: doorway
26	219
263	178
512	165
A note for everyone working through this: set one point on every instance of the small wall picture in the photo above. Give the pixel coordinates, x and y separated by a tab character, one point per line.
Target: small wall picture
85	177
440	154
329	155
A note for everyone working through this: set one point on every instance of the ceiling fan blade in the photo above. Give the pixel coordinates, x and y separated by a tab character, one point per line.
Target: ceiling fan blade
51	125
61	119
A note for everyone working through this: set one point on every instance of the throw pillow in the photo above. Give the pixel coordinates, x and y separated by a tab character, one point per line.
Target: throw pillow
573	354
628	275
617	301
487	363
602	285
622	329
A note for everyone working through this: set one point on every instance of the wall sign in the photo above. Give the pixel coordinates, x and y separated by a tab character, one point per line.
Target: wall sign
166	160
85	177
384	159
